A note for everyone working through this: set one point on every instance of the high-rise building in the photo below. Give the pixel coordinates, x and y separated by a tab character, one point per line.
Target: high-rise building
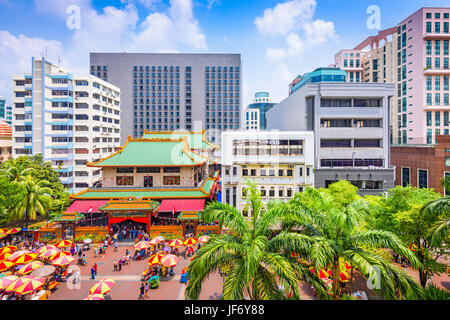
173	91
280	163
350	122
69	119
255	114
414	56
5	111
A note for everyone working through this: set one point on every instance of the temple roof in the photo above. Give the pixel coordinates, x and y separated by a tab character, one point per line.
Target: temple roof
152	153
69	217
5	129
128	205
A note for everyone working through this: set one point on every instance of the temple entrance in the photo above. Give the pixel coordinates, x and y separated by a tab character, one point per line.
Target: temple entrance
190	230
128	230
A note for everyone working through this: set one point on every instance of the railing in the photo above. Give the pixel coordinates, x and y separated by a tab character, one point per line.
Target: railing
146	188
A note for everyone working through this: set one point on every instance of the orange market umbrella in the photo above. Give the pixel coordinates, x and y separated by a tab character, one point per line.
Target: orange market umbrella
45	248
63	243
169	260
5	265
25	258
203	239
63	260
5	255
176	243
95	297
49	253
154	259
6	281
102	287
190	242
347	266
59	254
13	230
29	267
29	285
142	245
154	241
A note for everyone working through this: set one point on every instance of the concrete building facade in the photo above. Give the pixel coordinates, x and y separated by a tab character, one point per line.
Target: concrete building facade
69	119
5	141
255	113
281	163
350	122
167	92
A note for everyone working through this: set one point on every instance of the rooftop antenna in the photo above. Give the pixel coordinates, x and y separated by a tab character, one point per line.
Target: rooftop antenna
59	61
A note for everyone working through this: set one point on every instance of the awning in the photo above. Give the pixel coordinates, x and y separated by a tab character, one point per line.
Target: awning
85	206
182	205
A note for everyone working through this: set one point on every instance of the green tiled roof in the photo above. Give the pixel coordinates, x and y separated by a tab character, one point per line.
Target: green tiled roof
188	216
140	152
196	139
109	194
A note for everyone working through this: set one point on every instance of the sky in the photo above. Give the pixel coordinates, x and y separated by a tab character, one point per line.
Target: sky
277	40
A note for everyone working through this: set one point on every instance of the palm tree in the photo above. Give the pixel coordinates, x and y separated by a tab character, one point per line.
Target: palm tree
15	170
335	234
36	201
259	264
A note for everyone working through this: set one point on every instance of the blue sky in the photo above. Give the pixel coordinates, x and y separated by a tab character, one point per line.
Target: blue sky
277	39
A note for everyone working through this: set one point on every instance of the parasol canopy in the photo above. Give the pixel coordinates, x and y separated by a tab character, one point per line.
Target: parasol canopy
154	259
176	243
161	238
154	241
169	260
63	243
6	249
49	253
6	281
23	258
13	230
17	254
29	284
60	254
5	255
102	287
203	239
29	267
45	248
142	245
43	271
190	242
5	265
95	297
63	260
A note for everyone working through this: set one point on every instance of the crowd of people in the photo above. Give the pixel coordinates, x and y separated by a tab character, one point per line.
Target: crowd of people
129	231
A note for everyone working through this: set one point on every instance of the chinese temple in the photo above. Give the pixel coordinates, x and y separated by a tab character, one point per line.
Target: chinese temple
161	181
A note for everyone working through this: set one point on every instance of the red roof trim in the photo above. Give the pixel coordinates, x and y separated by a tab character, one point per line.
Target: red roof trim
83	206
182	205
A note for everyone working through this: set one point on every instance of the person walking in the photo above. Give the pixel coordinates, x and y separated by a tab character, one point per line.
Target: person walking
95	268
92	273
116	246
147	290
95	252
142	291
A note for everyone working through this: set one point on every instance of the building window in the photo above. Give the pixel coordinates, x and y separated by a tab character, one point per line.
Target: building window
406	176
171	180
124	181
422	178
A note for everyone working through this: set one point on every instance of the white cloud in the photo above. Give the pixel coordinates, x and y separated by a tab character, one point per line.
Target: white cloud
285	17
111	30
211	3
294	20
319	31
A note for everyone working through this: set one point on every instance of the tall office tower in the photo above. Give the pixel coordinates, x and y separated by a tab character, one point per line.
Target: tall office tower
414	56
170	91
69	119
255	113
351	128
5	111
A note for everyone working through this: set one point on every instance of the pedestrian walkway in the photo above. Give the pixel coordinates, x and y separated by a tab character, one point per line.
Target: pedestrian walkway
124	277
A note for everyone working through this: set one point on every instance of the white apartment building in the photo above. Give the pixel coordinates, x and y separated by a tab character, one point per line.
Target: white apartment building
69	119
280	162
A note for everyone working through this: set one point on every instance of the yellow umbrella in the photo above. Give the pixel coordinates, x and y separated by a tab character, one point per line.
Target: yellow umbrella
169	260
176	243
5	265
190	242
63	260
49	253
29	267
17	254
102	287
63	244
95	297
155	259
203	239
29	285
154	241
6	249
25	258
13	230
45	248
6	281
59	254
142	245
5	255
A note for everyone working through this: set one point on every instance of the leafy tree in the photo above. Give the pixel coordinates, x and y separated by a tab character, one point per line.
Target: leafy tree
11	194
342	192
332	233
434	293
404	212
259	264
37	200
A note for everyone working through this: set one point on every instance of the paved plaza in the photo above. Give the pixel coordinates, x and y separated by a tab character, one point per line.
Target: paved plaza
128	279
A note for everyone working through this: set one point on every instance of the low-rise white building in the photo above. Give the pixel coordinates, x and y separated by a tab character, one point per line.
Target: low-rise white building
280	162
69	119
